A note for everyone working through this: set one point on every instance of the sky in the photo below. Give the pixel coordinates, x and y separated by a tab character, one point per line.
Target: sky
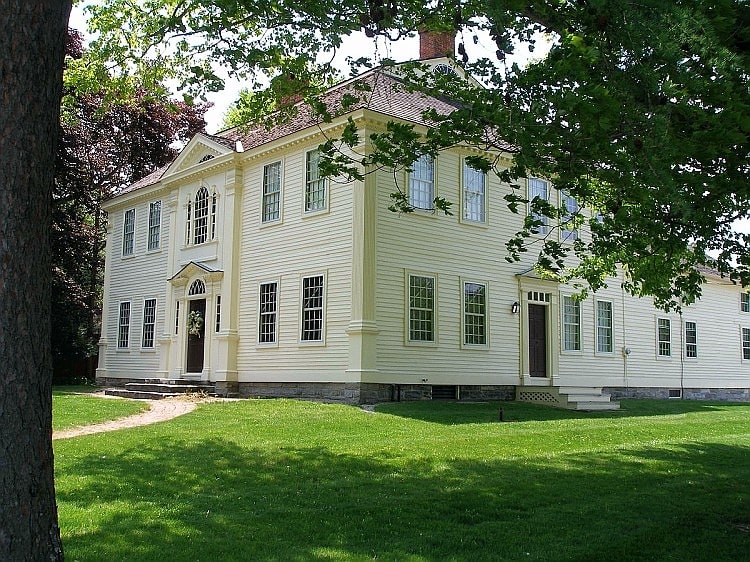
357	45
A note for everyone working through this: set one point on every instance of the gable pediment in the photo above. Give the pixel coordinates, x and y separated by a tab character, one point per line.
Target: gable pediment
195	270
199	150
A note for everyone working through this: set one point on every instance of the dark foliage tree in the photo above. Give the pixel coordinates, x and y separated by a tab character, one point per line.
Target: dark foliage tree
103	147
32	44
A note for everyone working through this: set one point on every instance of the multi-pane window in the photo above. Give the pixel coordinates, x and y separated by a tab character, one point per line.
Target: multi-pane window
664	337
213	216
268	306
315	184
475	182
128	232
154	225
475	314
571	324
149	322
123	326
571	208
422	182
218	313
271	192
176	317
539	188
691	339
745	302
421	308
200	226
312	308
604	339
188	221
746	343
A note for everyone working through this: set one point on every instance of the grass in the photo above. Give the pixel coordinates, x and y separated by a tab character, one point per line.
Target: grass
74	406
281	480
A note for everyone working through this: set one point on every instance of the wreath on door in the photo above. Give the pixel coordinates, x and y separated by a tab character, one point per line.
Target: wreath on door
194	323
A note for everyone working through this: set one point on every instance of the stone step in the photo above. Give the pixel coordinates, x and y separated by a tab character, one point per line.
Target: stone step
588	406
140	395
170	388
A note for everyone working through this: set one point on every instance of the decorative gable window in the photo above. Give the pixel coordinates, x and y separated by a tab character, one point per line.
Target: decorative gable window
128	232
200	221
571	324
154	225
539	189
664	337
197	287
271	205
206	158
315	184
149	323
422	182
475	199
571	207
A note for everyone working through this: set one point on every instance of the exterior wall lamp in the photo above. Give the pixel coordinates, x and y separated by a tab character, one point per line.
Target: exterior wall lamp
515	307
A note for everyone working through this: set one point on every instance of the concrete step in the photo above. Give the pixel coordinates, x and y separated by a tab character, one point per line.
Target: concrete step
170	388
139	395
588	406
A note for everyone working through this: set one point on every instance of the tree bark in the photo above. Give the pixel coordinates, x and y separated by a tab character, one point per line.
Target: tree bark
32	39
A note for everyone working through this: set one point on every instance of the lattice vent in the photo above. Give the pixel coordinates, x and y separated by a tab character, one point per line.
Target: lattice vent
537	396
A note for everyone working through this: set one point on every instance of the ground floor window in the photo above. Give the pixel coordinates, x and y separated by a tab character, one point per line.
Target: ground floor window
664	337
475	314
123	326
691	339
604	339
421	308
312	308
149	323
746	343
268	305
571	324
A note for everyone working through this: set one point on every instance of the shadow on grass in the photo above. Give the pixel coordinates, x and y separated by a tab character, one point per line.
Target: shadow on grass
453	413
217	501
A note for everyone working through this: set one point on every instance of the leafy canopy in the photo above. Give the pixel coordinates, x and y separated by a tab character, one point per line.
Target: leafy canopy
640	110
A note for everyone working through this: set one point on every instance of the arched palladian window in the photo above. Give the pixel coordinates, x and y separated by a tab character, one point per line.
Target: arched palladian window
198	287
200	226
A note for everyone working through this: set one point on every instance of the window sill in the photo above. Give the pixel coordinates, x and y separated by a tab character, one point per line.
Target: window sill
148	350
316	213
311	344
268	224
476	224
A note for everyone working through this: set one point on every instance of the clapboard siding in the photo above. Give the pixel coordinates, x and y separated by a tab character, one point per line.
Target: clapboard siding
453	252
134	278
299	245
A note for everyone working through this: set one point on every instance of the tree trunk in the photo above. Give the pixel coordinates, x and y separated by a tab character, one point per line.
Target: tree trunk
32	38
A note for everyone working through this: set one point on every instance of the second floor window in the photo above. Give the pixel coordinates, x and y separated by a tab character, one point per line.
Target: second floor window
154	225
128	232
568	234
474	194
271	205
200	213
745	302
315	184
422	183
539	189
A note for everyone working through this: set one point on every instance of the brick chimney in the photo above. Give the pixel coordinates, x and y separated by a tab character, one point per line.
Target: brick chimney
434	44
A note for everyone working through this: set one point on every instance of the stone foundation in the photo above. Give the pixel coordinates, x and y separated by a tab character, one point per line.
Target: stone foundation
722	394
227	389
344	393
372	393
116	382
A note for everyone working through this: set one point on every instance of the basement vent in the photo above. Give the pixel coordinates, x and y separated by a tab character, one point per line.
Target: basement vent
675	393
539	396
444	392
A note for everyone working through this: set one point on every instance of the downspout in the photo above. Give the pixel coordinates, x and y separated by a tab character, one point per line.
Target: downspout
625	350
682	356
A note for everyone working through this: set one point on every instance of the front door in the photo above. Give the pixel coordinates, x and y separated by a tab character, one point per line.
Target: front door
537	340
195	343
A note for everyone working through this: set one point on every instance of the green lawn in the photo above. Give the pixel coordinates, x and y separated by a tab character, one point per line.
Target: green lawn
280	480
73	407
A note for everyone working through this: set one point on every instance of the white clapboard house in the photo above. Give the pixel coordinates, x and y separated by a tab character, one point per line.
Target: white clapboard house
240	266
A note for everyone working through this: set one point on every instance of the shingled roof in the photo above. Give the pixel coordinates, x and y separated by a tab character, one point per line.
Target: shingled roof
376	90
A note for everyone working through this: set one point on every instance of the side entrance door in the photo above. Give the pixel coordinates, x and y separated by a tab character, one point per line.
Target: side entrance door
537	340
195	342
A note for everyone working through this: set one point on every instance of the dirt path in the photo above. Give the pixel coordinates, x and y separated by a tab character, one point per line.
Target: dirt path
159	410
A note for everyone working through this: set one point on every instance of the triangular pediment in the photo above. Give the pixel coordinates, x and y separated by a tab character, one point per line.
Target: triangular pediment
200	149
193	270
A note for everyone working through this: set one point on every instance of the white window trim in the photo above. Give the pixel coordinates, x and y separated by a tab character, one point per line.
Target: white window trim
742	345
312	343
597	351
151	348
741	295
569	236
130	325
326	186
124	219
463	218
157	248
564	351
685	342
545	229
207	217
263	221
407	309
430	211
274	343
462	286
671	339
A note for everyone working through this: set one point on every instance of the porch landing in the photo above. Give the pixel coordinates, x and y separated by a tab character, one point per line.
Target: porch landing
580	398
157	389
